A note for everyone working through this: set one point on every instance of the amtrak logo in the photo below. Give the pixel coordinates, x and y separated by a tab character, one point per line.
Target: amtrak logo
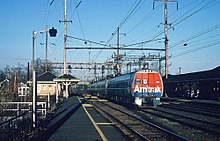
147	89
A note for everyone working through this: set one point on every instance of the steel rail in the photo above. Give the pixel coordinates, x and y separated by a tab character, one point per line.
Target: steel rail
140	136
188	109
179	137
188	117
186	123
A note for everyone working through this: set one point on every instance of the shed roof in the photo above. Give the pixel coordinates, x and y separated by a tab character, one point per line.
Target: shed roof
66	78
46	76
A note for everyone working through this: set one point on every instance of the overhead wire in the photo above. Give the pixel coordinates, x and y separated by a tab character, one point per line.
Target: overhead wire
207	5
77	13
208	30
183	7
202	33
127	16
131	11
196	49
151	13
46	14
181	19
175	23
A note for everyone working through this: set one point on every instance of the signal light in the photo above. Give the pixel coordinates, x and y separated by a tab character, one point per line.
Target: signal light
53	32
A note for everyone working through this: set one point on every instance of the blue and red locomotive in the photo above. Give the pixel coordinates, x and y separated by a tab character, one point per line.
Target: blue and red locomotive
137	87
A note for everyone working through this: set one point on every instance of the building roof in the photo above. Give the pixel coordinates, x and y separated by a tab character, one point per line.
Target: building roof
201	75
46	76
66	78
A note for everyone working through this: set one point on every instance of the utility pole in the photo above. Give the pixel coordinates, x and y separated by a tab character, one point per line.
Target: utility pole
33	42
166	32
46	64
64	55
65	35
117	58
166	37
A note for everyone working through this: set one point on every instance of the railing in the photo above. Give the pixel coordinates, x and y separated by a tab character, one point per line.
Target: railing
18	127
21	107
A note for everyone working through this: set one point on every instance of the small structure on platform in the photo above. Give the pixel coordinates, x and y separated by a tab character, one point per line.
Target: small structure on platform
46	87
45	84
65	80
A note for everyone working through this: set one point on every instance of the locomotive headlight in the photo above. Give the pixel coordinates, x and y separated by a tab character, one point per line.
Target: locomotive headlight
145	81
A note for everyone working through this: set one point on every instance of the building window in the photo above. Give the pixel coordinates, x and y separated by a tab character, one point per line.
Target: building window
44	87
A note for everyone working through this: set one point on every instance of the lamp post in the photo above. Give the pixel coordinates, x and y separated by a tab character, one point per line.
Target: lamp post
34	34
34	103
34	74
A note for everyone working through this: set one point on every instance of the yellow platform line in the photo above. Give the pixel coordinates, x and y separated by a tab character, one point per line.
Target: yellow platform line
103	100
95	125
93	100
105	123
87	105
98	100
94	97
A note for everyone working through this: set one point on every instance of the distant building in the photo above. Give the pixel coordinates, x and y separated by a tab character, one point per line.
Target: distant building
50	85
45	84
23	90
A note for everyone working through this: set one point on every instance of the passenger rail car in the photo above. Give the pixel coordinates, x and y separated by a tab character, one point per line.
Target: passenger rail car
137	87
198	85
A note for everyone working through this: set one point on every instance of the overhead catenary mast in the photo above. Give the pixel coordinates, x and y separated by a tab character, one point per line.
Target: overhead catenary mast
166	37
166	32
64	55
65	36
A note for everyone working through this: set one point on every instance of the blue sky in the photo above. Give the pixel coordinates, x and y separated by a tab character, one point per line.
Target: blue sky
195	23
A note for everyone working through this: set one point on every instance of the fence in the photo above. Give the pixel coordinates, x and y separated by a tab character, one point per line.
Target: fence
21	107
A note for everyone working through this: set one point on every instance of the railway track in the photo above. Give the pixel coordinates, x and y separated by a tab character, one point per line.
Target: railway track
193	109
134	126
194	122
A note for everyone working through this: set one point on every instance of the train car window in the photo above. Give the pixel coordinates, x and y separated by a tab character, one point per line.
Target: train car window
137	81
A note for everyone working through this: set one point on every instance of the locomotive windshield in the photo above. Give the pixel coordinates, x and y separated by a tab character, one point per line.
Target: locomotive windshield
137	81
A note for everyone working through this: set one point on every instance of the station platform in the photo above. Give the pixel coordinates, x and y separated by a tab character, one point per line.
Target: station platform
81	122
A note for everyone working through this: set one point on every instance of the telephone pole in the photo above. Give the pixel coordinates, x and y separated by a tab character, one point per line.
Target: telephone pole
64	55
117	57
65	36
46	64
166	32
166	37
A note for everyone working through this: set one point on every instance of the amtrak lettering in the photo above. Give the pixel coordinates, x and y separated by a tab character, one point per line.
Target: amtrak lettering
147	89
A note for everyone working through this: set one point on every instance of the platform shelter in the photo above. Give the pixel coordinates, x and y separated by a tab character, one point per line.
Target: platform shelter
65	81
